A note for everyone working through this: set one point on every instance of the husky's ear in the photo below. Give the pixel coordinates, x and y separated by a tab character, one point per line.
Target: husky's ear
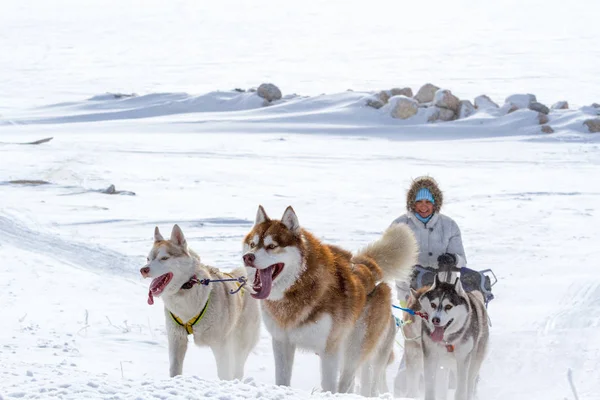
177	236
157	236
414	294
459	287
436	281
290	220
261	216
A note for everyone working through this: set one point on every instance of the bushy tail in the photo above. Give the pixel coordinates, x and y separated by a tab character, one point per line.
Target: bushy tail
395	253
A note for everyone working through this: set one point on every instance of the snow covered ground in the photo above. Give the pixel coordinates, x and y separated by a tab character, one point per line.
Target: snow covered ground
75	307
75	322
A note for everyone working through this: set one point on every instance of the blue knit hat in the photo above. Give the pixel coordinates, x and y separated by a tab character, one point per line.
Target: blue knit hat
424	194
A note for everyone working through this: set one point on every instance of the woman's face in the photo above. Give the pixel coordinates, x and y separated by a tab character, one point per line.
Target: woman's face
424	208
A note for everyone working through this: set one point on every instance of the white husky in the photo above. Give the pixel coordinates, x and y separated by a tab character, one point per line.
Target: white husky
228	323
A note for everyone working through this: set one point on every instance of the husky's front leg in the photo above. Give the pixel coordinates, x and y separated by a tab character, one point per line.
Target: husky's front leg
463	362
430	367
178	342
330	365
225	360
284	360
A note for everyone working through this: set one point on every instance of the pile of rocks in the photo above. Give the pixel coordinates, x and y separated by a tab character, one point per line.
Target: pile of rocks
442	105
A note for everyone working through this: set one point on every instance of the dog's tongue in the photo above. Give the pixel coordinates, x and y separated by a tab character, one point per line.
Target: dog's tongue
150	297
438	334
266	279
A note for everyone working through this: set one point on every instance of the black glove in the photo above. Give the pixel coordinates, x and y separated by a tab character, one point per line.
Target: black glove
447	260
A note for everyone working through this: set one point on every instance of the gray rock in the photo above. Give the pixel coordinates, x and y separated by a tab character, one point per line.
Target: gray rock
547	129
269	92
441	114
401	92
403	107
521	100
375	103
593	125
560	105
539	107
426	93
466	109
444	98
484	102
112	190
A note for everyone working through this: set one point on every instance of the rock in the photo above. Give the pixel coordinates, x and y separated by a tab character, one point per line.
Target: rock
483	102
543	118
595	105
239	90
521	100
539	107
560	105
112	190
547	129
269	92
441	114
384	96
123	95
401	92
375	103
426	93
593	125
444	98
403	107
465	109
510	108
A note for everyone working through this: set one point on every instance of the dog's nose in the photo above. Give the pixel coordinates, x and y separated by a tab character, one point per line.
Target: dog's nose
145	271
249	259
435	321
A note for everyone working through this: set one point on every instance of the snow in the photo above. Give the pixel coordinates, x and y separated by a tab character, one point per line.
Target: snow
75	322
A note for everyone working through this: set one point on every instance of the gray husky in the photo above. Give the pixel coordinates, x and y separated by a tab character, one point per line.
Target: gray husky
454	336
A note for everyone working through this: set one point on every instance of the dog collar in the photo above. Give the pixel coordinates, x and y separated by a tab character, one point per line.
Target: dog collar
189	284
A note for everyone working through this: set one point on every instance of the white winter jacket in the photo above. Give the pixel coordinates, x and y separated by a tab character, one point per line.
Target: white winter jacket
440	235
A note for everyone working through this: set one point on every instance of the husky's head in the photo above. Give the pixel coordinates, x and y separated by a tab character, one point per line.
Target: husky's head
273	254
169	263
447	307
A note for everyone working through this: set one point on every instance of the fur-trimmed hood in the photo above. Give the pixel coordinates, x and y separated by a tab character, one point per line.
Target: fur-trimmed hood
428	183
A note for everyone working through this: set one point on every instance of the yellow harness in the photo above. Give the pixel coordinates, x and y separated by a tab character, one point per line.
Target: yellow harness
190	324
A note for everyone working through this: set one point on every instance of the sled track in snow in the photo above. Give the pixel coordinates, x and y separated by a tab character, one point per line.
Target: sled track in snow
91	257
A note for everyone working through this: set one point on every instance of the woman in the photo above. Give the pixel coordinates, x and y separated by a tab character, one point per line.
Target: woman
440	242
440	247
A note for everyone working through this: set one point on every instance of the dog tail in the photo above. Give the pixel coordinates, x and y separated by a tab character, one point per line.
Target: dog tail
395	254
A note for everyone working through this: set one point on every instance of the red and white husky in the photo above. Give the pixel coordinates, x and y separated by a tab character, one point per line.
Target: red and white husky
322	298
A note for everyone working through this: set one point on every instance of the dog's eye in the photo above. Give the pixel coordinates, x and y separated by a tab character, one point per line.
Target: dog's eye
448	307
271	246
165	258
433	305
252	245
